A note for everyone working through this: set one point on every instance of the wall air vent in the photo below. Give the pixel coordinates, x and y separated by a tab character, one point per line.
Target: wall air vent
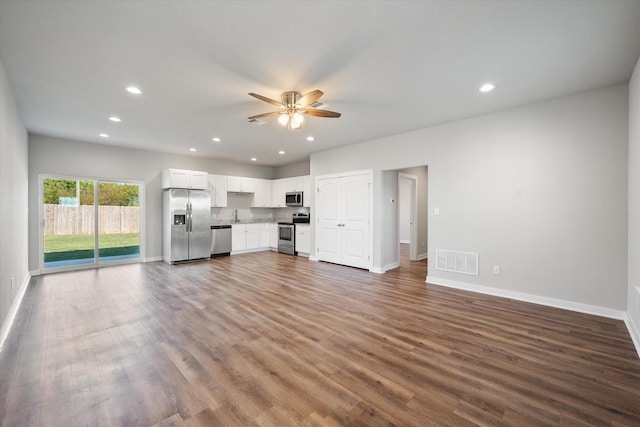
257	122
457	261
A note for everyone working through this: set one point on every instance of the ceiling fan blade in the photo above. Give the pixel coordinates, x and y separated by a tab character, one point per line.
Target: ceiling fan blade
321	113
265	99
259	116
310	98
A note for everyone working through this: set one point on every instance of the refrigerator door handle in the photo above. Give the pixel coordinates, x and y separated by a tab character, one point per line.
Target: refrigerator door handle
189	218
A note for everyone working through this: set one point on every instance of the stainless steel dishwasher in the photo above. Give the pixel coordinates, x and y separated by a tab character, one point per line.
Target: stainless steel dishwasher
220	240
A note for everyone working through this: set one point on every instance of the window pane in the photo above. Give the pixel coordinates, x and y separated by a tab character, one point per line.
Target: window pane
118	221
68	222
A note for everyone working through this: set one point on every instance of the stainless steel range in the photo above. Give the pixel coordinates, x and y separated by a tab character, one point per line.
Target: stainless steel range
287	238
287	233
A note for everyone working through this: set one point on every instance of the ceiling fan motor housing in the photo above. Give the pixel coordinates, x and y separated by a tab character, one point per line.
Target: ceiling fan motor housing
290	99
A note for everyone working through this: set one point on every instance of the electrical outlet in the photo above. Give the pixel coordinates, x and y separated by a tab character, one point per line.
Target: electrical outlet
496	269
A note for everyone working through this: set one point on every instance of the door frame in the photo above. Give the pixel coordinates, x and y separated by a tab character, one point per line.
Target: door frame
413	214
96	263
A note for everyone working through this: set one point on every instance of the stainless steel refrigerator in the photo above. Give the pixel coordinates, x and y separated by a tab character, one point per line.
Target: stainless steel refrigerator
186	231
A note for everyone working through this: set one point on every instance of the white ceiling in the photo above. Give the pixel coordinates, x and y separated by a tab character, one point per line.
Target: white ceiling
387	66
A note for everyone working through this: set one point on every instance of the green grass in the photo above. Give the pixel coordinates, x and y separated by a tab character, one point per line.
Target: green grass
59	248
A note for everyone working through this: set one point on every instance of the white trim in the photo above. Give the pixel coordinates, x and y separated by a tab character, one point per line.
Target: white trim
152	259
634	331
535	299
421	256
377	270
413	206
391	266
405	241
313	258
13	311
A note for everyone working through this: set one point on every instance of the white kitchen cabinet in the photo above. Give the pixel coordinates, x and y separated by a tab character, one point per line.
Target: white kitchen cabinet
245	237
238	184
307	192
218	190
278	192
303	238
262	193
273	235
253	236
264	235
182	178
295	183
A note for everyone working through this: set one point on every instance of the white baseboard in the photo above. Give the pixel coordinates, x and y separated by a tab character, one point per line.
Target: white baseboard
405	241
421	257
35	273
313	258
551	302
634	331
377	270
6	327
152	259
391	266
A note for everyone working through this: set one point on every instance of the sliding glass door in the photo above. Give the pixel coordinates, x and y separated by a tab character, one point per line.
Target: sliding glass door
89	222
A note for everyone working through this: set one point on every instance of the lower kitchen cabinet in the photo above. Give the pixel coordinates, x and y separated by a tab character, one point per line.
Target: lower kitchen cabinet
245	237
264	235
273	235
303	238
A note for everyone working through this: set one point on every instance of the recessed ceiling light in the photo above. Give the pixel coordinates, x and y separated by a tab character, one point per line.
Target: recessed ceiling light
115	119
104	135
216	139
487	87
310	138
253	159
134	90
192	149
280	152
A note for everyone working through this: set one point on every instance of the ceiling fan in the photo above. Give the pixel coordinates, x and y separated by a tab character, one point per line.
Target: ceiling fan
293	106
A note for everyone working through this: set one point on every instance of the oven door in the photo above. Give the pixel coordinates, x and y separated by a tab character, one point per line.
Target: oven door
286	238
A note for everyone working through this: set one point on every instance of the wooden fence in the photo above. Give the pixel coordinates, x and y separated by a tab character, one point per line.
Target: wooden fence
73	220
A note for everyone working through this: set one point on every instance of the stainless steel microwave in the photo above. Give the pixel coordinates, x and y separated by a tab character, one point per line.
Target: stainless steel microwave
294	198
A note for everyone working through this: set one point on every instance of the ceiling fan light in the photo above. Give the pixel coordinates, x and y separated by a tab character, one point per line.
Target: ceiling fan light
297	118
283	119
296	125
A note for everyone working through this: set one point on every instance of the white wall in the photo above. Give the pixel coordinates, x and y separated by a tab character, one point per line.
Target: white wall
13	204
389	213
296	169
48	155
540	190
633	311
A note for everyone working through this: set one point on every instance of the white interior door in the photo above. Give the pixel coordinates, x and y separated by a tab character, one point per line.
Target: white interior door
355	221
328	212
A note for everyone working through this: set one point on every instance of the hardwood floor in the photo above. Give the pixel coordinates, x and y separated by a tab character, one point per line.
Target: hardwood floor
271	339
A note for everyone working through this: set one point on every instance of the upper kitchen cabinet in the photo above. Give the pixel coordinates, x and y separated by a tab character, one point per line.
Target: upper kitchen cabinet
181	178
237	184
295	183
262	193
218	189
280	187
278	191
